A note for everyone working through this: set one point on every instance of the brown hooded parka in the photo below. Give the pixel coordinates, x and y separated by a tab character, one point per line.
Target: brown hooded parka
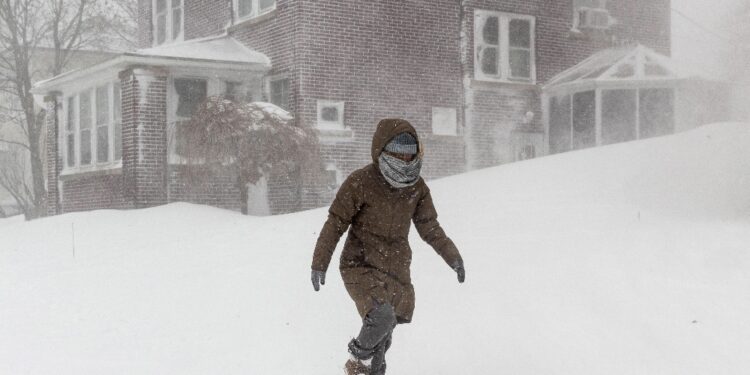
376	257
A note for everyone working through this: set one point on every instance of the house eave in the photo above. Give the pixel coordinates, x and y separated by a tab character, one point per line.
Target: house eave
125	60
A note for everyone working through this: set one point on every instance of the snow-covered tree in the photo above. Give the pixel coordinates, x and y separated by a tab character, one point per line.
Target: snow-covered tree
249	139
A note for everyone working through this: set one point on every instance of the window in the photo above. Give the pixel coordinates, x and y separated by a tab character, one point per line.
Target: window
559	124
190	94
245	9
444	121
330	115
279	92
590	14
93	128
504	46
102	124
84	127
618	116
333	176
70	135
117	105
584	120
168	21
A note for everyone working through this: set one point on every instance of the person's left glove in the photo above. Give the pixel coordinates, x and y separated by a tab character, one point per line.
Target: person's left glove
460	271
318	279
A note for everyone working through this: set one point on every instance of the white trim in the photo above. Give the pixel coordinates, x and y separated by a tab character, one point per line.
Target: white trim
330	125
447	113
255	12
94	164
274	78
168	27
503	46
110	69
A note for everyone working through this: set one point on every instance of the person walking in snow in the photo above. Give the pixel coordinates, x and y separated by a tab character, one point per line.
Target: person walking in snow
379	201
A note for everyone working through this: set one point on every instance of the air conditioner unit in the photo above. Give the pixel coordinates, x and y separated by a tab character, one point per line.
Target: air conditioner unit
591	18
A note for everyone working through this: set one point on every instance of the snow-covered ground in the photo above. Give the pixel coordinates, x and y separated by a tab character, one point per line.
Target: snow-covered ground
628	259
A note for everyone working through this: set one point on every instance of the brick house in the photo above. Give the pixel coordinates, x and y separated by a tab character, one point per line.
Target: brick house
470	75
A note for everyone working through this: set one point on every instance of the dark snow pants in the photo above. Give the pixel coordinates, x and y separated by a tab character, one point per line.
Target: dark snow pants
375	337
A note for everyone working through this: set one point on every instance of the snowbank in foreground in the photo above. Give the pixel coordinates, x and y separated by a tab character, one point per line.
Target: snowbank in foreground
629	259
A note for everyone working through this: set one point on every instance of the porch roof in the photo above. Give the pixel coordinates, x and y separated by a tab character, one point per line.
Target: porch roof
220	53
631	66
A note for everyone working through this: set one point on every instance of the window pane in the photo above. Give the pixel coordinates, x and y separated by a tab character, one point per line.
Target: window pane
191	93
584	120
520	63
102	144
161	5
176	4
244	7
70	125
491	30
559	124
489	61
176	23
618	116
520	33
267	4
71	148
118	140
102	105
280	93
117	101
161	28
84	101
85	147
330	114
657	112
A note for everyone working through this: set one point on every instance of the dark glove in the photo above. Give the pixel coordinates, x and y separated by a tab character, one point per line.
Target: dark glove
460	271
318	279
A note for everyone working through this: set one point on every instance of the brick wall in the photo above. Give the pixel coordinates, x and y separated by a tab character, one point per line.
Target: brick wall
495	109
83	193
383	59
401	59
54	158
144	156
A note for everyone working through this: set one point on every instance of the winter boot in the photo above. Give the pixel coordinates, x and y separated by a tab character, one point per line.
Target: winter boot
356	366
378	359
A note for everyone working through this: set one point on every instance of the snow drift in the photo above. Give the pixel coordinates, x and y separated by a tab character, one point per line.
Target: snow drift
627	259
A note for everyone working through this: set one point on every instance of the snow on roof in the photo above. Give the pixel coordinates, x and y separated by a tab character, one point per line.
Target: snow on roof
622	64
218	53
221	48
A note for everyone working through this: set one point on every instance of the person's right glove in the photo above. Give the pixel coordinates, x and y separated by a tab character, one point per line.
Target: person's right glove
460	271
318	279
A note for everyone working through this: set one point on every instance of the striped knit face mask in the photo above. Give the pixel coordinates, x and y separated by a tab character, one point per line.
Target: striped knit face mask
399	173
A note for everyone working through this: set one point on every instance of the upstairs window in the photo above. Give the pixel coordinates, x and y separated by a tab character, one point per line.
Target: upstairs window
168	21
504	47
590	15
244	9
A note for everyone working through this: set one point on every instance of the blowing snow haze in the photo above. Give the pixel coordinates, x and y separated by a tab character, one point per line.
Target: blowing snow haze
587	157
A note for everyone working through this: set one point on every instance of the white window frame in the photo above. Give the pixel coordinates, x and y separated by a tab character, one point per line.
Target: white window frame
330	125
331	167
450	112
75	130
269	94
169	26
579	6
214	86
256	11
504	72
